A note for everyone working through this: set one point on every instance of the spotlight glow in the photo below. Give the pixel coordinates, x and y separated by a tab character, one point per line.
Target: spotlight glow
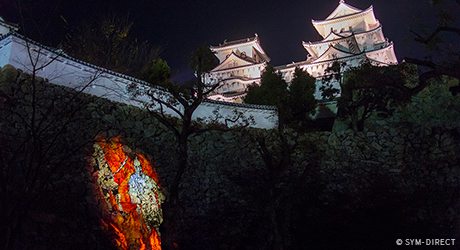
129	186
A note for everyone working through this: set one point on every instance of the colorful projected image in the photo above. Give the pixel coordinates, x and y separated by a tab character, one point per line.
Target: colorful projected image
133	198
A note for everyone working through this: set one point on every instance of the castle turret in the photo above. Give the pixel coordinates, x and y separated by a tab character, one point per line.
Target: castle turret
350	36
240	64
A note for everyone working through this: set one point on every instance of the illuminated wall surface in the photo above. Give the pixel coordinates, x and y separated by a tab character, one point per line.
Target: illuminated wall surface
129	185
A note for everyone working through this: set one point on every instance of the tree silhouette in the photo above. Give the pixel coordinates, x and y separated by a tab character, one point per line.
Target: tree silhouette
106	41
182	100
295	105
369	89
443	55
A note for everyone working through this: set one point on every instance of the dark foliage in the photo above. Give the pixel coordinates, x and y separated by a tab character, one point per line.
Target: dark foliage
295	103
273	90
106	42
369	89
333	74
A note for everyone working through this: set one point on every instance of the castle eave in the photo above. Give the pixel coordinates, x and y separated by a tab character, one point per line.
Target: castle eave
342	18
237	43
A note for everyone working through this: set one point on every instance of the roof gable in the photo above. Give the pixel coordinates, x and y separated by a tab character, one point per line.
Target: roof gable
363	20
343	9
250	46
232	61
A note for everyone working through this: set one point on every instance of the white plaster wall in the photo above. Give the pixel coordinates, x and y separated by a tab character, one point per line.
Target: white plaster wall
5	51
103	83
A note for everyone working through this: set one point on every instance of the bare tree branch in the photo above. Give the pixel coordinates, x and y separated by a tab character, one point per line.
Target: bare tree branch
426	40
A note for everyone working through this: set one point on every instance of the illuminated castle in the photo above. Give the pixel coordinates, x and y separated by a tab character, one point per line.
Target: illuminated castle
350	35
240	64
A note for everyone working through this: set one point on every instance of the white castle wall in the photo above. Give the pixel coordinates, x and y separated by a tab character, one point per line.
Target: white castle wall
63	70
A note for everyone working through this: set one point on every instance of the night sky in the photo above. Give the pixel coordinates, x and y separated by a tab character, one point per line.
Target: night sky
181	26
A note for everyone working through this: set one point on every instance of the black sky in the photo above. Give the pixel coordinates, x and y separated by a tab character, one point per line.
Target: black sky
181	26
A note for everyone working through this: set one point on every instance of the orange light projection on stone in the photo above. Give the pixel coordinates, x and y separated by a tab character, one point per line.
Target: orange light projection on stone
129	186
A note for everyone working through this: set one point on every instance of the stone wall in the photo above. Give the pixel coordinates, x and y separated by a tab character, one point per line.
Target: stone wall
407	175
48	187
342	190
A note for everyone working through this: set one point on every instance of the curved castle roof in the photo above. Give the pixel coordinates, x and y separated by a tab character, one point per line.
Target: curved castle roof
250	46
346	17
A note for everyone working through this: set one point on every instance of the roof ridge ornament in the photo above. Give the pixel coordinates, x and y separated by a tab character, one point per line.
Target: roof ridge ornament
342	1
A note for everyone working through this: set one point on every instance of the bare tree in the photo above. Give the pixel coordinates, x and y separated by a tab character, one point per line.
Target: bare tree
167	99
444	57
37	141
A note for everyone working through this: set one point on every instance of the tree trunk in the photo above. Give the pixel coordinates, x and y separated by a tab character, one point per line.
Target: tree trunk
360	125
168	227
171	208
354	122
273	218
14	224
